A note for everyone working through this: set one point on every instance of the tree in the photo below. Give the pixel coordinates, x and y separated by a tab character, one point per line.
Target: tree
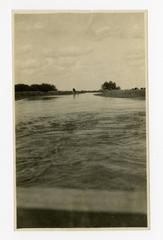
109	86
44	87
22	87
47	87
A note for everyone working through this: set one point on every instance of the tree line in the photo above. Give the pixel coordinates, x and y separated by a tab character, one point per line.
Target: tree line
112	86
44	87
109	86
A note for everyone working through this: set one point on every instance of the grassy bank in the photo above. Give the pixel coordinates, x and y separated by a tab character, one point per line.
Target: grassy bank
33	94
27	94
130	93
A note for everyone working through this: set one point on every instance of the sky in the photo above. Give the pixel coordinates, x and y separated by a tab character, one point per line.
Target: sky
80	50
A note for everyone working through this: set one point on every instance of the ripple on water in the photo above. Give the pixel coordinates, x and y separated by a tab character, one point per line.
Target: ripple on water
88	149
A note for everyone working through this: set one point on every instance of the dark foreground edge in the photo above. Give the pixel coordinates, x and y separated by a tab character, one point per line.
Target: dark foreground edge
43	218
72	208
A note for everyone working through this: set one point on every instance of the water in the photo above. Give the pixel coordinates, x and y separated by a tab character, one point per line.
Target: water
83	142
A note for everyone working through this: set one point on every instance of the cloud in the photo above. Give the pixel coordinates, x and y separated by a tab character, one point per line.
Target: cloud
80	50
70	51
102	33
43	58
60	61
27	63
115	26
25	48
117	32
33	26
135	59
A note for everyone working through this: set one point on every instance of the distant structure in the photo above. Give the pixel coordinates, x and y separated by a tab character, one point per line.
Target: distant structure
74	91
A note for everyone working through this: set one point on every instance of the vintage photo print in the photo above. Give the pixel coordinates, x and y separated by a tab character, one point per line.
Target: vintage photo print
81	132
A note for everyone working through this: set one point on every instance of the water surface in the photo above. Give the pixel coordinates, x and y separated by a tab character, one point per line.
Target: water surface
83	142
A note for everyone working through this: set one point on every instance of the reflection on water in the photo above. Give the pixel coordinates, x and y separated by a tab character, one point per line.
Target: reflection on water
82	141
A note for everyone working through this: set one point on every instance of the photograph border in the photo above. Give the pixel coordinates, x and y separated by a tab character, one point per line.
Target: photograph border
155	115
145	11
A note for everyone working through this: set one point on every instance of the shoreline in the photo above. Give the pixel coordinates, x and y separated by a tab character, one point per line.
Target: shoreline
33	94
131	93
36	94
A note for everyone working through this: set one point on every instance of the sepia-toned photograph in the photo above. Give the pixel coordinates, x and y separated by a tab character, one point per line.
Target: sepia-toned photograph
81	119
